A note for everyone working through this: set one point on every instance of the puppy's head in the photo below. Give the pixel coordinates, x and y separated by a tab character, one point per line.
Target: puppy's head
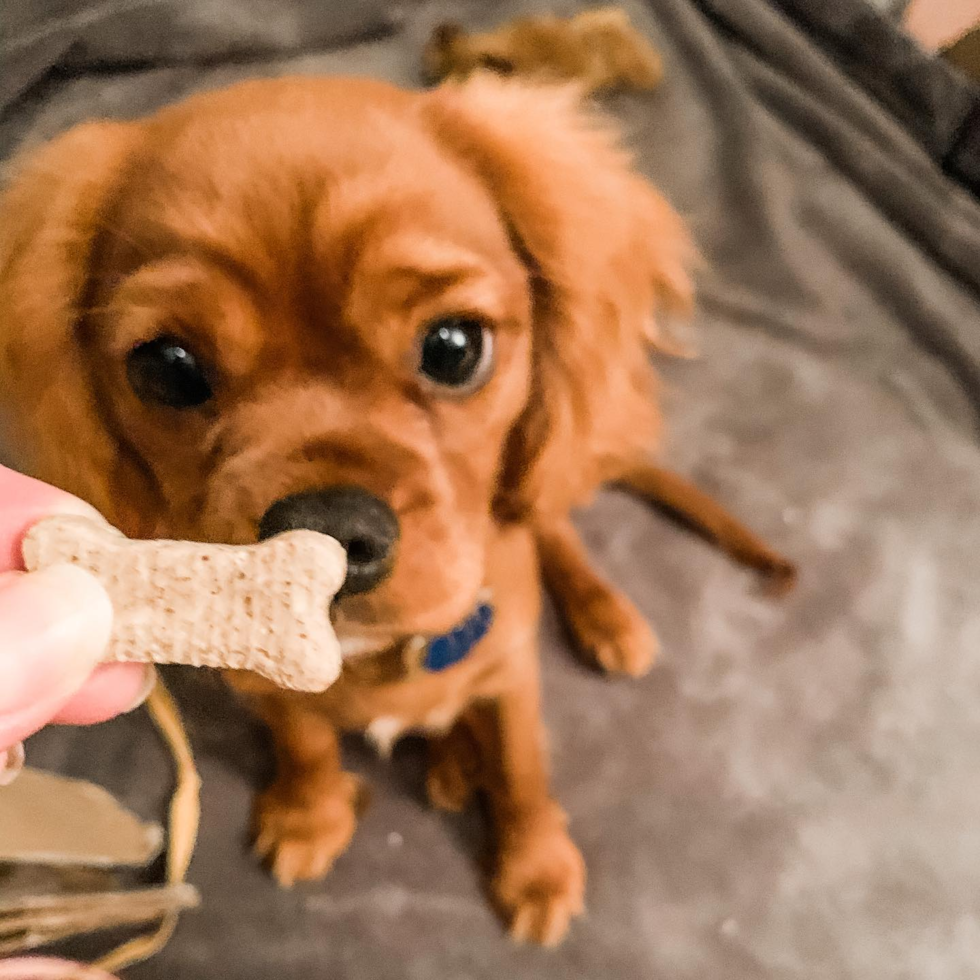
398	318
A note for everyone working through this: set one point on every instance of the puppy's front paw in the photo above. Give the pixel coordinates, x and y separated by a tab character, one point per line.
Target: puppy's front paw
612	633
540	884
300	833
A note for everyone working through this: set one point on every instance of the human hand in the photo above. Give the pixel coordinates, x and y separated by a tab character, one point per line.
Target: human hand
54	628
938	23
46	968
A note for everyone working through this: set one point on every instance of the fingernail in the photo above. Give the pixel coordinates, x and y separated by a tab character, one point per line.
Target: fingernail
11	763
145	690
58	619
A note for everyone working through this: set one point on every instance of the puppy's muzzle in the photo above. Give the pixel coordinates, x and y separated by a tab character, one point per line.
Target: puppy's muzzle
365	525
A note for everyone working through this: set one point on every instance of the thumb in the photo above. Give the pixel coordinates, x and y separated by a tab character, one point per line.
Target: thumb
54	629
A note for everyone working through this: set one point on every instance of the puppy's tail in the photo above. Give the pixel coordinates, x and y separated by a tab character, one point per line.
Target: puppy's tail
711	520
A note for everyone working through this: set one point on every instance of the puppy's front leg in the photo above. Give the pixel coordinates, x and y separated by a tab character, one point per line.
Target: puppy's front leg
307	817
539	880
606	627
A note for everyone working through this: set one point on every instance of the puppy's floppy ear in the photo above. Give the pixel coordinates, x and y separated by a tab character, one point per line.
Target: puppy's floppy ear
604	250
51	211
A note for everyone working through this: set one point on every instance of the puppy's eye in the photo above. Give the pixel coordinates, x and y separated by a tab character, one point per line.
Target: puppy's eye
165	372
456	352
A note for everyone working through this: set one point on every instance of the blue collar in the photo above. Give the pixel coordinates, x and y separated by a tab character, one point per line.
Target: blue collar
449	649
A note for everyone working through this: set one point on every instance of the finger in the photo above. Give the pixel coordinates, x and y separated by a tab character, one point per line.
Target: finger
56	626
23	502
114	689
43	968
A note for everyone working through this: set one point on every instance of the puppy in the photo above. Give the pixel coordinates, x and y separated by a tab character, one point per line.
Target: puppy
598	48
415	321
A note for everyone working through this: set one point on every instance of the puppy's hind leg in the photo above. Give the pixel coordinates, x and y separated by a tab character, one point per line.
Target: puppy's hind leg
455	768
606	627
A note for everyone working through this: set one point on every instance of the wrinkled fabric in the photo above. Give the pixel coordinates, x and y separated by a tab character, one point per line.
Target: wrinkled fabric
792	793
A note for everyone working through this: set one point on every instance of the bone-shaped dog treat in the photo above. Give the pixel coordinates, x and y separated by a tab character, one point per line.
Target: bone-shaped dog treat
263	608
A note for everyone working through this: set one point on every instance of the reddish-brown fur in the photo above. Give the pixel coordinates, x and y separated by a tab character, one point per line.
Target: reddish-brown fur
299	233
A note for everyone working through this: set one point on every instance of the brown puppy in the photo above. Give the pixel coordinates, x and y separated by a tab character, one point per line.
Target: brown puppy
416	321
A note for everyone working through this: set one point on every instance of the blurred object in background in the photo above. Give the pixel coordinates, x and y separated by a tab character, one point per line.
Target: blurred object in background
598	47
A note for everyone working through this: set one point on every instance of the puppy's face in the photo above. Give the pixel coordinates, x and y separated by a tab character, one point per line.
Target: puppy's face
297	315
337	303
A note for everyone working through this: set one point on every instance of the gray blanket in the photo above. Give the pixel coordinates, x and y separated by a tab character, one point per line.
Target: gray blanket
794	792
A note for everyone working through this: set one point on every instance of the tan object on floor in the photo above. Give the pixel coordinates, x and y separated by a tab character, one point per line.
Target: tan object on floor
185	815
53	820
263	608
965	54
33	920
28	923
599	48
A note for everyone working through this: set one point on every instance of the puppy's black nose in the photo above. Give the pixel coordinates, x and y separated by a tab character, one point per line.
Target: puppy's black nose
366	527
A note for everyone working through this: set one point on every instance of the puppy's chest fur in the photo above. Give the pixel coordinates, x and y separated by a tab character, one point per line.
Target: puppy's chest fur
420	703
386	730
376	696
